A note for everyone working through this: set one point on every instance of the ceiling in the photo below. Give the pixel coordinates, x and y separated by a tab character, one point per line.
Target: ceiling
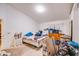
54	11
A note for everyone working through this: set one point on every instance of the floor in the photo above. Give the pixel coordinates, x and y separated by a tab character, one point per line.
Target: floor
25	50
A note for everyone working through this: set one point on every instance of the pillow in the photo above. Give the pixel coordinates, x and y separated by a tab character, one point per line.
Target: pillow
29	34
39	33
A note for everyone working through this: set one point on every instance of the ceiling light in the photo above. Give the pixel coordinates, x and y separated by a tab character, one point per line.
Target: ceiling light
39	8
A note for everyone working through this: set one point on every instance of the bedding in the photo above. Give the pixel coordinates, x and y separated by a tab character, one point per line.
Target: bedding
34	40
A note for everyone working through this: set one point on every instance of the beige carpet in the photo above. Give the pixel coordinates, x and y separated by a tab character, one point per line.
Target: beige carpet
25	50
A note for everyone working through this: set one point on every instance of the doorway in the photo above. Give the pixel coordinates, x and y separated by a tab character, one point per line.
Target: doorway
0	33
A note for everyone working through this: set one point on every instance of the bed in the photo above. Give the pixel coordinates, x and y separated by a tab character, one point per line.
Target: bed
34	40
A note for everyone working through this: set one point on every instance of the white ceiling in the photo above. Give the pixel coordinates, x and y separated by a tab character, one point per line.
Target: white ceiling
54	11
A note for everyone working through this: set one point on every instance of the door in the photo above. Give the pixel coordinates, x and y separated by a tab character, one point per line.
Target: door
0	32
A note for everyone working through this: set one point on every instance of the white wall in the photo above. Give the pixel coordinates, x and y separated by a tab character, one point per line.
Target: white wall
63	25
19	21
15	21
